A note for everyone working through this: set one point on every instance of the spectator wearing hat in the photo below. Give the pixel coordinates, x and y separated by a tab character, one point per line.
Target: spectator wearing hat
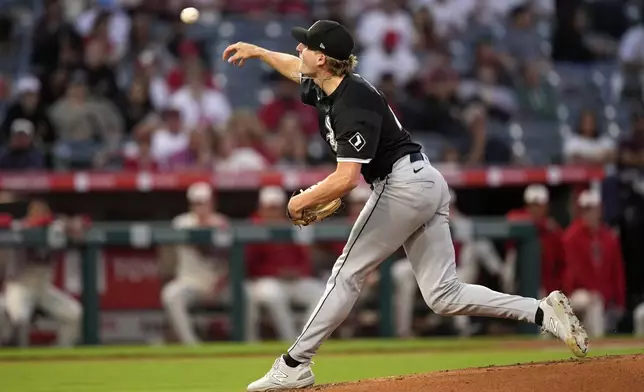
536	210
280	274
389	58
29	107
21	154
200	270
594	268
29	283
387	16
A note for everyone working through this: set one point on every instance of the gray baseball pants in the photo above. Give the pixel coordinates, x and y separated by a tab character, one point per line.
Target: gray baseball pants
410	207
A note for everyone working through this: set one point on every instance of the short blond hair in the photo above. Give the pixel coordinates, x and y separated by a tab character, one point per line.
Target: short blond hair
341	67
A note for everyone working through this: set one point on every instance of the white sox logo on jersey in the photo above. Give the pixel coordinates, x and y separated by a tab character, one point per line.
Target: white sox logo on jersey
330	135
357	141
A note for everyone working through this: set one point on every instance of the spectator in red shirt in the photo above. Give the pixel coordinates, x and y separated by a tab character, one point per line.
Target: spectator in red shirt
190	60
536	210
280	274
287	99
594	270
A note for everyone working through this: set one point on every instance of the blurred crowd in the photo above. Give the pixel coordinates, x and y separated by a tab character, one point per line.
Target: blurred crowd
105	89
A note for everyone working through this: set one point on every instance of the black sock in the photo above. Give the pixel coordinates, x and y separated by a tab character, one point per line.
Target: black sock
290	362
538	317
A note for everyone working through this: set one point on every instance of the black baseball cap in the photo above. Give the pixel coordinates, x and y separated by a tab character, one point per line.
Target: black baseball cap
326	36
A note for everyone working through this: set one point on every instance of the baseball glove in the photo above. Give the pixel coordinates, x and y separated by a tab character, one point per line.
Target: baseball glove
316	213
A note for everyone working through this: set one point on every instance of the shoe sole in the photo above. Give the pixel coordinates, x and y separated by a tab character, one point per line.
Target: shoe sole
297	385
577	333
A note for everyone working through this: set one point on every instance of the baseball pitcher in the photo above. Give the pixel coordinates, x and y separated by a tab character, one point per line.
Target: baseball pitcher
472	254
29	284
409	205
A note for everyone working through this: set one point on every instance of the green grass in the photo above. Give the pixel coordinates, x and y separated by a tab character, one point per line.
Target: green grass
266	348
212	371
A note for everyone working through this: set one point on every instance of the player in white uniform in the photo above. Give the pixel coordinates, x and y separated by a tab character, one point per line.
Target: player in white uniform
29	285
5	324
638	320
200	271
286	280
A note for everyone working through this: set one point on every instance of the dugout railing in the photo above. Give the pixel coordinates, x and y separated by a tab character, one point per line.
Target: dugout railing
150	234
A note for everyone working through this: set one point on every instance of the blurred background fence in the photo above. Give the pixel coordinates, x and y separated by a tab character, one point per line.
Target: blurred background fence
88	261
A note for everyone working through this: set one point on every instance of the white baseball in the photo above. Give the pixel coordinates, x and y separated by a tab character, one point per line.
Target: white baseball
189	15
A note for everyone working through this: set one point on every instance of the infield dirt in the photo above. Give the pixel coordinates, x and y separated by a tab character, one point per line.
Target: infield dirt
599	374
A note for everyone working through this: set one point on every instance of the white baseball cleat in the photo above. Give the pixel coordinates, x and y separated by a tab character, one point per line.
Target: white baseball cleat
281	377
559	320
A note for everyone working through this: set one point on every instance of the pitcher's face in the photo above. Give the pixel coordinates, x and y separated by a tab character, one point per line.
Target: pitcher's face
309	60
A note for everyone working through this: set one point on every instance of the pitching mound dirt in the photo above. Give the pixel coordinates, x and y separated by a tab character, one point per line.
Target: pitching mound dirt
611	374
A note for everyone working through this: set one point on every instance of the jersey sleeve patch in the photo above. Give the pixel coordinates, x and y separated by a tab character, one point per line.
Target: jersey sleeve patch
357	141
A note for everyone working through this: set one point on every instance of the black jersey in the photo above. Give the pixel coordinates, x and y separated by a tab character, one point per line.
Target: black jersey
359	125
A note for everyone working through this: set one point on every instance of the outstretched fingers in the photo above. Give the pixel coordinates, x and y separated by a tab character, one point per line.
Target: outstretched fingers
237	59
229	51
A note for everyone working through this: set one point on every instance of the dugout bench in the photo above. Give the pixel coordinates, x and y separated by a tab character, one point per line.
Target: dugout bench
149	234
